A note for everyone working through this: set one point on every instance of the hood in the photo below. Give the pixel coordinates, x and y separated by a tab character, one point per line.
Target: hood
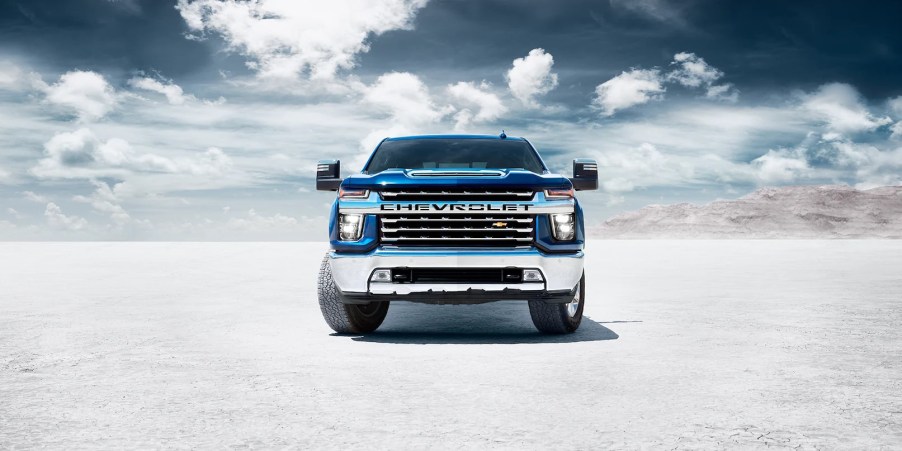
455	177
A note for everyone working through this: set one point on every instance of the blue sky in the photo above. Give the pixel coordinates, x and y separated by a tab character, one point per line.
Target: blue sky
203	119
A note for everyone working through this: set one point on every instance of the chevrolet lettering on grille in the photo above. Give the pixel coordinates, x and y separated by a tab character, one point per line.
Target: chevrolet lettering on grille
454	207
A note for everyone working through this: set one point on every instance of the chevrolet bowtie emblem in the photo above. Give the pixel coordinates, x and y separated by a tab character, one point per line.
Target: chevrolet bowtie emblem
499	224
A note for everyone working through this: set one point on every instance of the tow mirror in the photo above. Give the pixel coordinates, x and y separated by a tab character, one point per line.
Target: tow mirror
585	174
328	175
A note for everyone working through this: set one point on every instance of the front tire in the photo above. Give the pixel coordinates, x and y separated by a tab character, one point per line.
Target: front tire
346	318
560	318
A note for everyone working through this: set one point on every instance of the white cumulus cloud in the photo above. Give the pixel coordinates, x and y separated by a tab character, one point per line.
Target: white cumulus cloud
638	86
288	39
212	162
35	197
628	89
896	130
643	166
57	219
105	200
86	94
407	102
531	77
81	154
477	103
724	92
780	167
405	97
693	71
841	107
173	92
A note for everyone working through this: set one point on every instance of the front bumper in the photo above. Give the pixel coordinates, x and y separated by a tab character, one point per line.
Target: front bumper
352	272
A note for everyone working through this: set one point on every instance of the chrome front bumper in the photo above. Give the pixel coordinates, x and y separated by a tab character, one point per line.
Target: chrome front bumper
352	272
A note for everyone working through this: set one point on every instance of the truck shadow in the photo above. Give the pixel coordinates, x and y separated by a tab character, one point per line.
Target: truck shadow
497	322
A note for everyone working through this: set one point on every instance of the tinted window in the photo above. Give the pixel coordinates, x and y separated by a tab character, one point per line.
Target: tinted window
454	153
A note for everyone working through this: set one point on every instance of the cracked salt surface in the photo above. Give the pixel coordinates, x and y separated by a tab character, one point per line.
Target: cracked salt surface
687	344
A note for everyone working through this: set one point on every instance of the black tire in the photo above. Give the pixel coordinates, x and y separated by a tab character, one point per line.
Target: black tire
558	318
346	318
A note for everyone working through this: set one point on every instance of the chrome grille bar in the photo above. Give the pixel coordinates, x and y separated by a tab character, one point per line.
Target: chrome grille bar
473	229
449	229
463	194
433	218
468	238
452	173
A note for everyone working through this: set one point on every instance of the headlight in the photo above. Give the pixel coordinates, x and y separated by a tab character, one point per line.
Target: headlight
350	227
554	194
562	227
353	193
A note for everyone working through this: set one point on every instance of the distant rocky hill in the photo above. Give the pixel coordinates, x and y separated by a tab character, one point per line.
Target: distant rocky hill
828	211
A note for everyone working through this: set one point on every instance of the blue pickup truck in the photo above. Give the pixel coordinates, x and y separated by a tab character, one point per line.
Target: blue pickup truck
454	219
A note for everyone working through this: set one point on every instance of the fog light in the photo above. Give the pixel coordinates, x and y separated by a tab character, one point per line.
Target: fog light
562	227
532	275
381	275
350	227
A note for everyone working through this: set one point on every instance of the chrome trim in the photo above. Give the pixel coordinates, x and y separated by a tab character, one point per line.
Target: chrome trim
538	207
440	173
459	229
465	230
462	238
352	271
446	218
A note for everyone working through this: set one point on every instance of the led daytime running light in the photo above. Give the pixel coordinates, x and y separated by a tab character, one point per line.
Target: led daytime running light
353	193
559	193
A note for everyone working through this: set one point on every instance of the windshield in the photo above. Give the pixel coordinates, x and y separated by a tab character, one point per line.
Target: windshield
455	153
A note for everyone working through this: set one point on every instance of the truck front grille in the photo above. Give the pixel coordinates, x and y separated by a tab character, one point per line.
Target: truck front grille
496	230
457	194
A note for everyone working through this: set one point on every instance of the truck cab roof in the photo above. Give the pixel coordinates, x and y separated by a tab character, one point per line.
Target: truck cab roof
498	137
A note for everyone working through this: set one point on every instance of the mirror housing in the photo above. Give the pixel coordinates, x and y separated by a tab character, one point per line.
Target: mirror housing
328	175
585	174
